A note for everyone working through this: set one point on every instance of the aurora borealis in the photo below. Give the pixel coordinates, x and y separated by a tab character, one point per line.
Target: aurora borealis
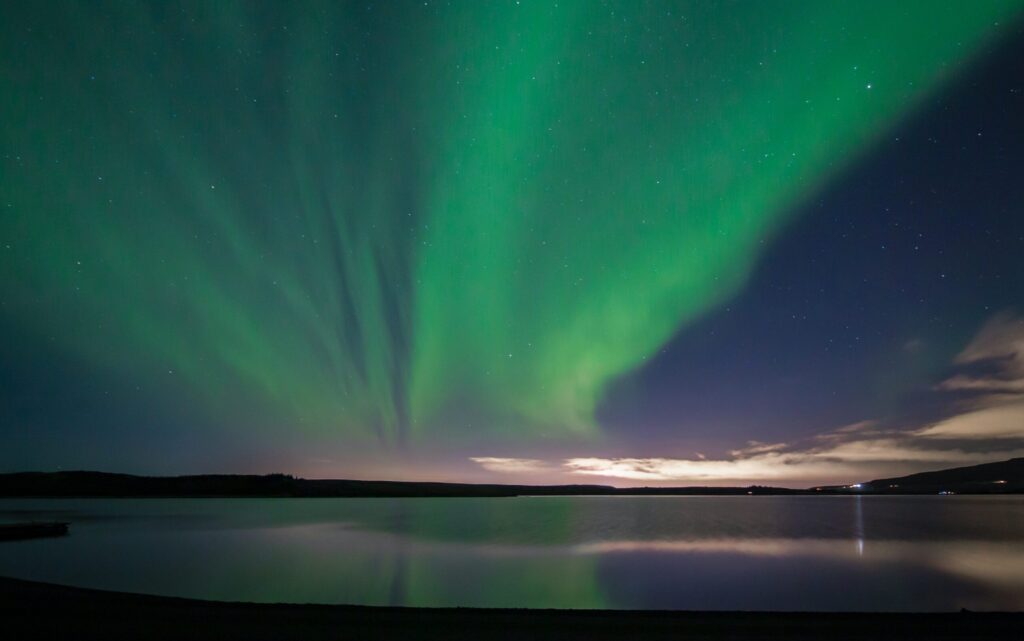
253	234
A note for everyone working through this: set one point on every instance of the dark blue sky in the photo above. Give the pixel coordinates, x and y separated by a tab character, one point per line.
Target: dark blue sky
859	306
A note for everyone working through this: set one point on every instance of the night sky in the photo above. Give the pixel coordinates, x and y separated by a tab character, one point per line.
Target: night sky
618	242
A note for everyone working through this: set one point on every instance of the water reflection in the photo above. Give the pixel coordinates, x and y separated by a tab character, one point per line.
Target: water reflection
858	527
986	562
791	553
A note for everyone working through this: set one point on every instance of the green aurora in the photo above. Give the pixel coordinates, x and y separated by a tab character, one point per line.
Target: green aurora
424	221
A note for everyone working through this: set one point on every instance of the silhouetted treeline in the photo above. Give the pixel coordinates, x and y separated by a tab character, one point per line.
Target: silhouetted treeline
284	485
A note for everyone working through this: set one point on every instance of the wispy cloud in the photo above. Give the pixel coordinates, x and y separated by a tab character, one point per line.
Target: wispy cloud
853	460
754	448
985	422
507	465
764	466
1003	421
994	405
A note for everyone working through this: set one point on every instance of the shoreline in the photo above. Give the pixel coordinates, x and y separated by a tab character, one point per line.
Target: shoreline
35	610
998	479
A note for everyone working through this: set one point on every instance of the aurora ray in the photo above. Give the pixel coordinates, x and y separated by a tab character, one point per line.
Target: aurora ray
404	222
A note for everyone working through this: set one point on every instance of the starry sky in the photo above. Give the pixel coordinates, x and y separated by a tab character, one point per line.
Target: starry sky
574	241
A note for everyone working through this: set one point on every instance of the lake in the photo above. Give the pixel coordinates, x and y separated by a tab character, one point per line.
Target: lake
930	553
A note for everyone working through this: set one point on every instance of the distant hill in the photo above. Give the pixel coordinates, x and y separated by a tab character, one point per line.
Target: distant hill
1004	477
103	484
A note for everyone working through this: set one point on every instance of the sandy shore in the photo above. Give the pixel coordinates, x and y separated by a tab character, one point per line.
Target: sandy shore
30	610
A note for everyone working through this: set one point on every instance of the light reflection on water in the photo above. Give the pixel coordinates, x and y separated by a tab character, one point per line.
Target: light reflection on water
729	553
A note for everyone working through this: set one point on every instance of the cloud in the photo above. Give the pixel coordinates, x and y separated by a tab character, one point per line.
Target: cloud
1002	338
1003	421
985	422
994	399
998	353
972	384
857	460
754	448
507	465
765	466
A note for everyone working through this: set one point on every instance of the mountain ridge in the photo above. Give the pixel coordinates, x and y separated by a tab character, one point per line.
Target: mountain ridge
999	477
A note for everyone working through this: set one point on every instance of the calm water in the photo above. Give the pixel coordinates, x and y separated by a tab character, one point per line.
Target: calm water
731	553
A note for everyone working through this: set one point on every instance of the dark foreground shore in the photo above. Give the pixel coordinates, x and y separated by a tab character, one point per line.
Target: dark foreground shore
30	610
